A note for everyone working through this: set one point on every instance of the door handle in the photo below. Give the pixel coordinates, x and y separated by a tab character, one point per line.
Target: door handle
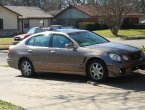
29	51
52	52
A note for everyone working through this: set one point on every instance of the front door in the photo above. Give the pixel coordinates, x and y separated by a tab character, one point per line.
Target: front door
64	59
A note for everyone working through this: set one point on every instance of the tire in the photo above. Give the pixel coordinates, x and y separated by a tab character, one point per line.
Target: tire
97	71
27	68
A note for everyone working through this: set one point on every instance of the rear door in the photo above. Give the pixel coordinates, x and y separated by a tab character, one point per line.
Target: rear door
39	52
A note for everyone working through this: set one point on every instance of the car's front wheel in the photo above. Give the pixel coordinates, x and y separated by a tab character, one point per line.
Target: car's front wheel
26	68
97	71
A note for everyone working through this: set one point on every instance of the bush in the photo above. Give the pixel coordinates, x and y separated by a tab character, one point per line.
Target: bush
142	48
92	26
133	26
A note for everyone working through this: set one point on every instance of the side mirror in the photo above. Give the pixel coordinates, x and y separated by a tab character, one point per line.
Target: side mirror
70	46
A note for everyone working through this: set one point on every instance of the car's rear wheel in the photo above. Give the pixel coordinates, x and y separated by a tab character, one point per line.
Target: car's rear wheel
27	68
97	71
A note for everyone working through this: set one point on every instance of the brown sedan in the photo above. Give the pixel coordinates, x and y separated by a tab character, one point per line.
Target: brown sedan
74	51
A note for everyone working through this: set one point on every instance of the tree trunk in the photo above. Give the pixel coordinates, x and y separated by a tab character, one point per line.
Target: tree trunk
115	30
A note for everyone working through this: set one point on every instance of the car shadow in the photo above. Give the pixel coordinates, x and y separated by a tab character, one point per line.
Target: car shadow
135	82
60	77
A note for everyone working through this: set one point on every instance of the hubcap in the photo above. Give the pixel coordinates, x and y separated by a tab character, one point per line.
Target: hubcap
26	68
96	71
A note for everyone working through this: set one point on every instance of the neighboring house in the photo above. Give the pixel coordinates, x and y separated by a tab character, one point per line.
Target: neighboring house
31	17
8	21
73	15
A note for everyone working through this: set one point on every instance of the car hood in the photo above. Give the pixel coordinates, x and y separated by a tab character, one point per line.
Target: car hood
113	47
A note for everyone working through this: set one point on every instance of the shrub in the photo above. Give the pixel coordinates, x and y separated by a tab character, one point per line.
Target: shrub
133	26
92	26
142	48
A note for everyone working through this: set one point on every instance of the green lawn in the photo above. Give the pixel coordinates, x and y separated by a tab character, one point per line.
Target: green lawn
125	33
6	41
8	106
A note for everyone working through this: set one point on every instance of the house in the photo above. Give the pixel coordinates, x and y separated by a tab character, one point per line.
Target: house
73	15
8	21
31	17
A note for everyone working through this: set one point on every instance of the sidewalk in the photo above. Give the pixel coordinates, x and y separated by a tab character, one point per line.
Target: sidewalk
136	43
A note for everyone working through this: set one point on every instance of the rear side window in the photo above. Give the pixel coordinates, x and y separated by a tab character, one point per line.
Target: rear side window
40	41
30	42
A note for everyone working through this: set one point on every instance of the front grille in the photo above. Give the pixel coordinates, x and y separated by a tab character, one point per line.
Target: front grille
135	55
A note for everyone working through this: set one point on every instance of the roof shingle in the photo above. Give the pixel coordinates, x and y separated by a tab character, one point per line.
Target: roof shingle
30	12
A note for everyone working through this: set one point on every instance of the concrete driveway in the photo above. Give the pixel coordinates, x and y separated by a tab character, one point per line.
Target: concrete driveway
3	57
71	92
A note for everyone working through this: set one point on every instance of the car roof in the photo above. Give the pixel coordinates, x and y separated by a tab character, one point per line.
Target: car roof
67	31
60	31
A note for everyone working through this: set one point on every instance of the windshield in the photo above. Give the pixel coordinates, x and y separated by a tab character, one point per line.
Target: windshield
86	38
34	30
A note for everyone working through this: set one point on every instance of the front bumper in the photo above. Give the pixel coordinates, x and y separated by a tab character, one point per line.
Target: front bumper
117	69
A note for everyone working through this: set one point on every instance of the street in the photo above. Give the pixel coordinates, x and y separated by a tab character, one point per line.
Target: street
47	91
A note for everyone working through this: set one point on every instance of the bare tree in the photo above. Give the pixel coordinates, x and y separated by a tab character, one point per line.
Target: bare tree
114	12
140	6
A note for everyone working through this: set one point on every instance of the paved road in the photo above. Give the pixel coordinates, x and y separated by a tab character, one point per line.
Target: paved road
70	92
3	57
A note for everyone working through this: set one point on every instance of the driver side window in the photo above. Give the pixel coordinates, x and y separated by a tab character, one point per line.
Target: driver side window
59	41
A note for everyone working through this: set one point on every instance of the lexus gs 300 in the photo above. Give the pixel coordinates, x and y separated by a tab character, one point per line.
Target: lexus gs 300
74	51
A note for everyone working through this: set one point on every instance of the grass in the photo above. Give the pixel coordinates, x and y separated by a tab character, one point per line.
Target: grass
4	46
128	33
6	41
9	106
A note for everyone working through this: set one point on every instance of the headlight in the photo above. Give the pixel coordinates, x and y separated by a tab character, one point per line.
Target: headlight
115	57
125	57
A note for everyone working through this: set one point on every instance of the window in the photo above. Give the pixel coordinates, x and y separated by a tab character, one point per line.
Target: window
60	41
26	23
35	30
30	42
41	41
1	23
